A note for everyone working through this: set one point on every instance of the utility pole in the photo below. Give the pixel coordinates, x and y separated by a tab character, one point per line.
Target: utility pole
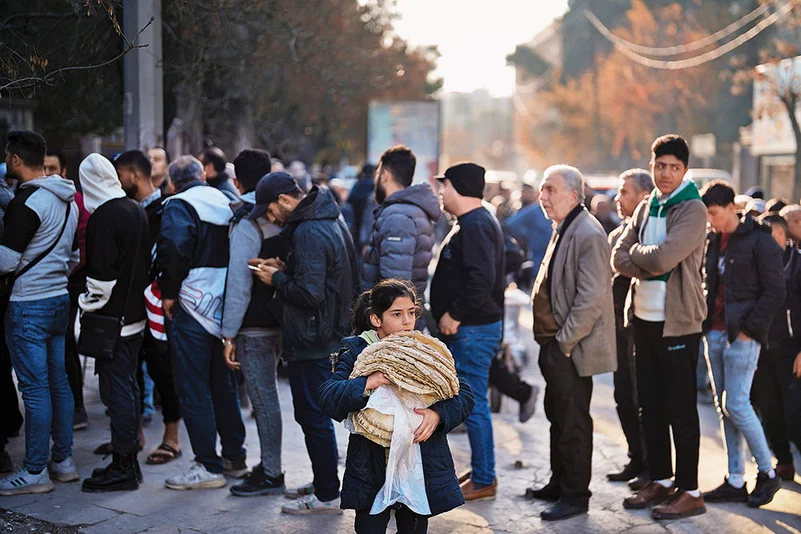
144	82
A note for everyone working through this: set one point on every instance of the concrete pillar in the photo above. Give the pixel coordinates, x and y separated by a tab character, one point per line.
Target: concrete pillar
144	84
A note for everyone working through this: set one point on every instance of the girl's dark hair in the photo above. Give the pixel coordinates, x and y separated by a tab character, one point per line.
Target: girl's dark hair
377	301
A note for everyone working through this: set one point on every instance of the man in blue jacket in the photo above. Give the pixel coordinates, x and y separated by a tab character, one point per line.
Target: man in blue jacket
530	226
193	261
313	296
403	227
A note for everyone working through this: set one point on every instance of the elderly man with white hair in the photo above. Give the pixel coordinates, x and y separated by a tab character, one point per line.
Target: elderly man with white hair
792	214
193	254
574	324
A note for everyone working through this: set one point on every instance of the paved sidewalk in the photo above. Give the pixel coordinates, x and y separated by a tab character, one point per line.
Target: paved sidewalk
155	509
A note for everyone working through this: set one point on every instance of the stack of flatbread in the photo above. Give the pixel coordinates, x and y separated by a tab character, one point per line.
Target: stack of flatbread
421	368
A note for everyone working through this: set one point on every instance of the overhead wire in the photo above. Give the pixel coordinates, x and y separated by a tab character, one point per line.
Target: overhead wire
685	48
702	58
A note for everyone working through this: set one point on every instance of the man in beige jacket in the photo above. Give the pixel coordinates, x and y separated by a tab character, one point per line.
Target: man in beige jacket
662	249
574	324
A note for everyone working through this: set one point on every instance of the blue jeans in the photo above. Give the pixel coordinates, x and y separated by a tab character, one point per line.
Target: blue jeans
473	348
732	368
258	354
35	333
207	392
305	379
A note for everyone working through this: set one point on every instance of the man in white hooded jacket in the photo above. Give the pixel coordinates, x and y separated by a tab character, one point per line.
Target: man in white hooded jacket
117	272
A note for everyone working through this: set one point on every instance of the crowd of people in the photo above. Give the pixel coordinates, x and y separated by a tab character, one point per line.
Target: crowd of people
204	275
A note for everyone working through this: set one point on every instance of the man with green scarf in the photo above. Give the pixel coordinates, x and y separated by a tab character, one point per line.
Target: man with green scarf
661	250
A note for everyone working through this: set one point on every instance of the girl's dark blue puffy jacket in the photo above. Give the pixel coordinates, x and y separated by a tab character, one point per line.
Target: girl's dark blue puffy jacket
365	466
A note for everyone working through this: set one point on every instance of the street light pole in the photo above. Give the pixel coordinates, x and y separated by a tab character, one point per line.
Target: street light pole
144	85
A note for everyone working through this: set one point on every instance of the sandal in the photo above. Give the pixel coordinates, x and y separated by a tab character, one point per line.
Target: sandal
163	454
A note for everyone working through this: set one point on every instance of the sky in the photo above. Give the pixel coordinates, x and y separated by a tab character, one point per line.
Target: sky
475	36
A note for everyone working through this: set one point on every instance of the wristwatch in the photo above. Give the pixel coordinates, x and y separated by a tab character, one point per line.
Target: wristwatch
227	342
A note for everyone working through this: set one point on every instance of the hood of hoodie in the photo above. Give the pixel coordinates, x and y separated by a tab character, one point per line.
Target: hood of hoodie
319	204
419	195
99	182
61	187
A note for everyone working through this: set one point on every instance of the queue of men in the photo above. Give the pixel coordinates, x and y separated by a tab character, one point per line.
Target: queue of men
214	278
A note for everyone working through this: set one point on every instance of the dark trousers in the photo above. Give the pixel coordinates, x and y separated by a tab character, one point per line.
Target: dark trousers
666	388
206	390
157	356
72	360
407	521
305	379
567	407
11	421
120	393
507	382
776	394
628	408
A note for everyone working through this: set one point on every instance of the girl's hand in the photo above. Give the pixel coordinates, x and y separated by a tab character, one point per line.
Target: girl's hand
430	423
375	380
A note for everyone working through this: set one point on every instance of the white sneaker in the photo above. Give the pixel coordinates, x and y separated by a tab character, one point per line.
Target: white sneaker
198	477
64	471
310	504
21	482
297	493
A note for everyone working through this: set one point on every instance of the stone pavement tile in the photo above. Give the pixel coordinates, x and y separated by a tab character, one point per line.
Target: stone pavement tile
64	510
166	529
21	500
200	518
287	524
123	523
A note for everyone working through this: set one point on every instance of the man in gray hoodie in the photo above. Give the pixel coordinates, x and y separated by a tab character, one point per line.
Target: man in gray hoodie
37	250
403	227
251	333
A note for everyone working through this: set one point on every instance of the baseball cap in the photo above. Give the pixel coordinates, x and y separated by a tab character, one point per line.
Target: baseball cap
467	179
269	188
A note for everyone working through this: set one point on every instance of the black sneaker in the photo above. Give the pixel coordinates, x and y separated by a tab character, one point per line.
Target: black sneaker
632	470
258	483
726	493
119	475
80	420
98	471
764	491
235	468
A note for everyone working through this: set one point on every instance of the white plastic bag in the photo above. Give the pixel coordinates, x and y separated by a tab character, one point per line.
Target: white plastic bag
405	482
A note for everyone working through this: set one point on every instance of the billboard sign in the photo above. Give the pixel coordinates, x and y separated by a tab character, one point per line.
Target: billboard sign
415	124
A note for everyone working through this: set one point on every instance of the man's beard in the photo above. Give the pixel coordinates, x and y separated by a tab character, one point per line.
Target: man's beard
131	190
13	177
380	193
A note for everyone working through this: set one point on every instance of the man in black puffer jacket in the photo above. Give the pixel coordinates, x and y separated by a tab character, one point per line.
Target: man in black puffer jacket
776	391
745	287
313	296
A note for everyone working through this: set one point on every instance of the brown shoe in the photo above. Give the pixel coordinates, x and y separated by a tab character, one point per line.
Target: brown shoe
651	493
680	505
471	493
785	471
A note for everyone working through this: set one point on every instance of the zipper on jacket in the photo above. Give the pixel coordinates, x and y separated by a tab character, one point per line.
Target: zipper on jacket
789	324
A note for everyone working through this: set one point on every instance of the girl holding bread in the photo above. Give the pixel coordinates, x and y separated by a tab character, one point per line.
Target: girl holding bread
391	307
